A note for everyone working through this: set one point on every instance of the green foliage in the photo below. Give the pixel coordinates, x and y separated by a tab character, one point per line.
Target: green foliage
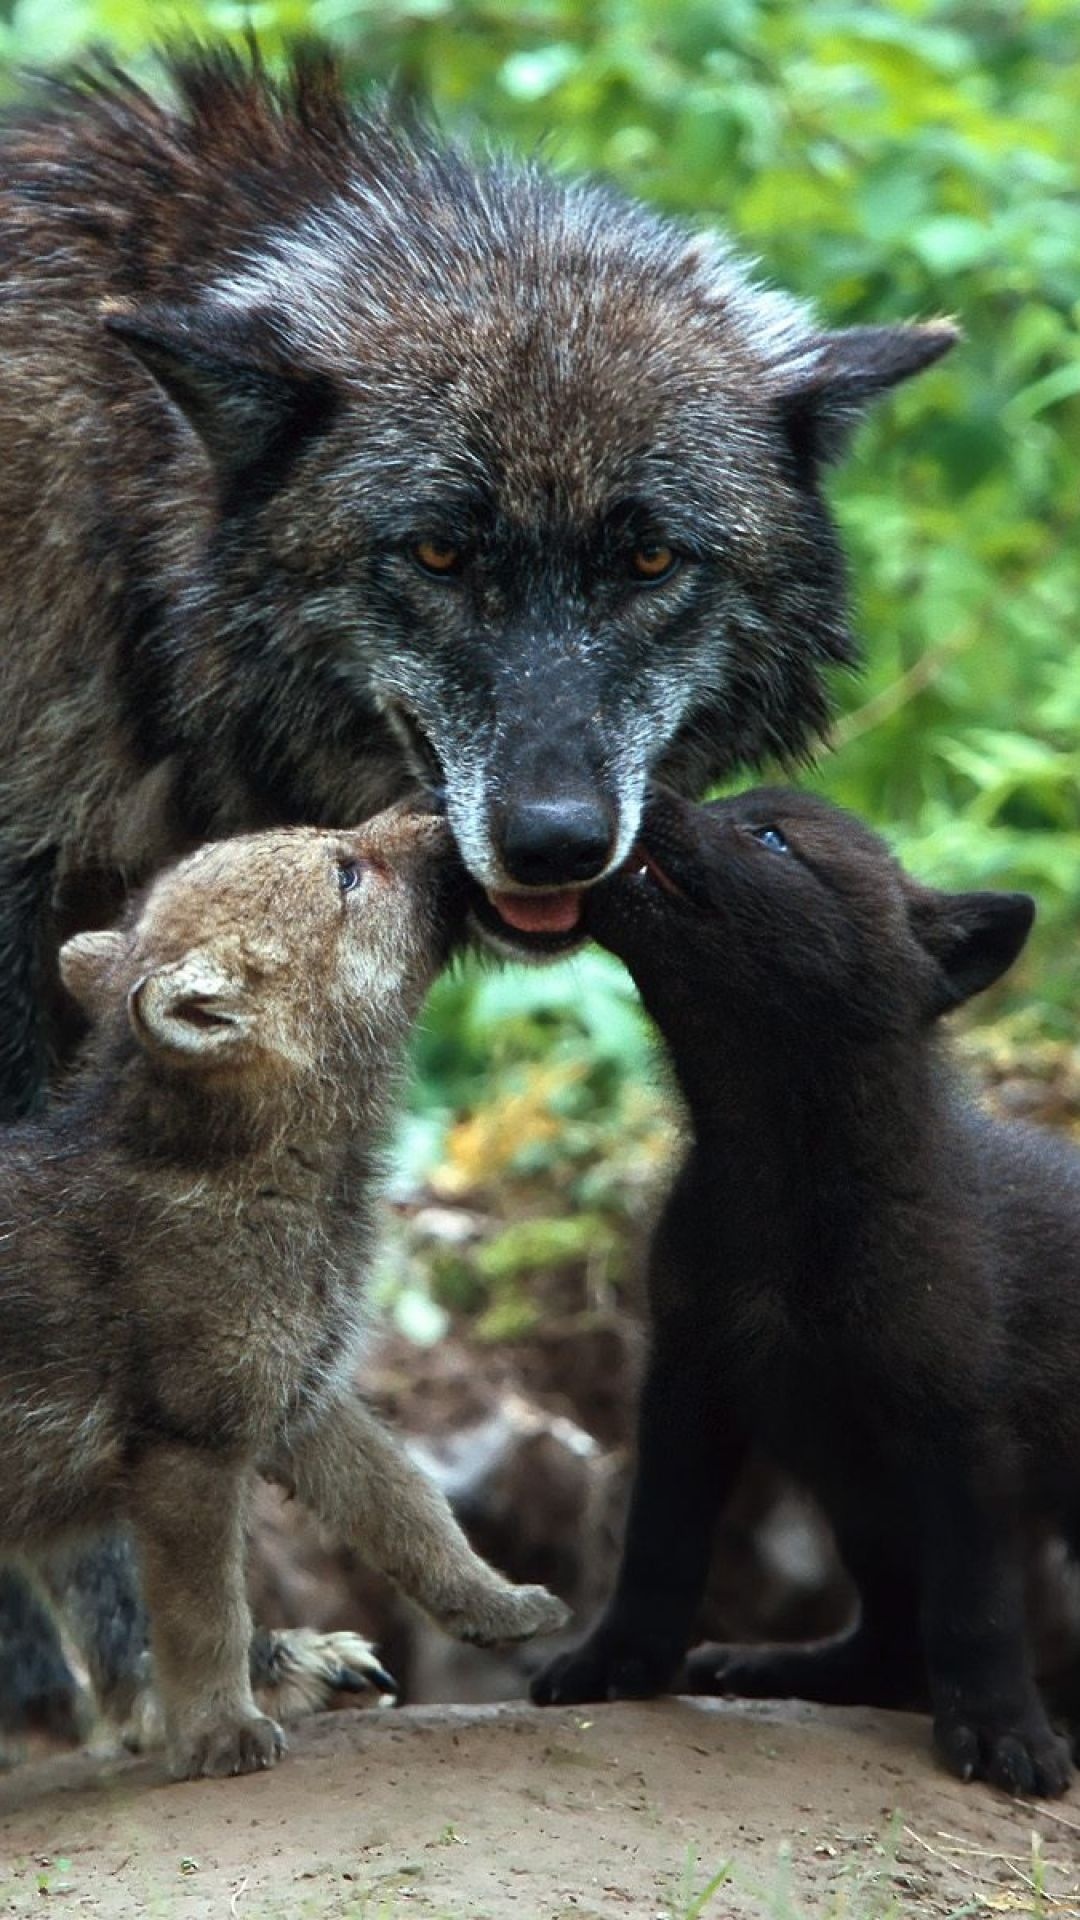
888	158
553	1064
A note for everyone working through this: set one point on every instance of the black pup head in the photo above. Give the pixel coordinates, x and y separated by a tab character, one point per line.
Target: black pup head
777	907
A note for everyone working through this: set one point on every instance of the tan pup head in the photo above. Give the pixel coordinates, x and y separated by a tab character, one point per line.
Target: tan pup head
279	953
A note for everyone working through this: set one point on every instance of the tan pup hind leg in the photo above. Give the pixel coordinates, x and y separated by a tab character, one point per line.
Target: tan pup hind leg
187	1514
360	1481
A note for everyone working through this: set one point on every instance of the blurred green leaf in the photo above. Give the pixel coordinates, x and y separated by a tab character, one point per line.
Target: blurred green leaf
527	1246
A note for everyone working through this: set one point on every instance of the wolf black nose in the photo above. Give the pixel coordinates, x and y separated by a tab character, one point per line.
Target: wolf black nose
553	843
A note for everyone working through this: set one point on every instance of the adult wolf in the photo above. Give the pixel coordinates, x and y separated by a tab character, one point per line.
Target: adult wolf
335	463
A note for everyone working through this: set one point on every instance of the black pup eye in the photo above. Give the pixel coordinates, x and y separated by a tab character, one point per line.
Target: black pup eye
348	874
772	838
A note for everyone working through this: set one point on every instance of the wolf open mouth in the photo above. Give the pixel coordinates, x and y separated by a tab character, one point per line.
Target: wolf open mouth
547	925
556	912
544	924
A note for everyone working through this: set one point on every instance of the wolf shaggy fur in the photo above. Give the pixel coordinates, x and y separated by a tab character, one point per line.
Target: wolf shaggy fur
859	1272
182	1284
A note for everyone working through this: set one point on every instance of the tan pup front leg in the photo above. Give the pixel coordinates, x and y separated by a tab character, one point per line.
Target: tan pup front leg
360	1481
187	1516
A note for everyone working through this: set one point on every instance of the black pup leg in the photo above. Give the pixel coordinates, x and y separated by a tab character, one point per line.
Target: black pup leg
989	1719
853	1670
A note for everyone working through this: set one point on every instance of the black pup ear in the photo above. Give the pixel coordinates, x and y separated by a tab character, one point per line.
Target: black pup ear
973	937
839	374
247	410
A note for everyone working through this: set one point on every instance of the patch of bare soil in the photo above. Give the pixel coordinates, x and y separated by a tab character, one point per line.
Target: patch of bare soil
600	1814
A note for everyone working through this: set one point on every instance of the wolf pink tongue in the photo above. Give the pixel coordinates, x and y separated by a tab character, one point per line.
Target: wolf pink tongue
539	912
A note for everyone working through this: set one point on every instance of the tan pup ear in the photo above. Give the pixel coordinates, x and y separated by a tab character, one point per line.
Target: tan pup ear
195	1010
86	968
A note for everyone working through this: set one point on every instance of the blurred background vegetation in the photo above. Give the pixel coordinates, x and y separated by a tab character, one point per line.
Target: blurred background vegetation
895	159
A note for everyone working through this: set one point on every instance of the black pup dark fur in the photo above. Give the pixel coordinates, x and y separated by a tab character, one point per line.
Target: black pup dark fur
858	1272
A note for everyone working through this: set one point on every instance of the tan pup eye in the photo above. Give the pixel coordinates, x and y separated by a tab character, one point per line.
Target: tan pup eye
653	561
435	557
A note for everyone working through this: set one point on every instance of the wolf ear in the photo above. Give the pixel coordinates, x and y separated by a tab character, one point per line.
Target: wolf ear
194	1011
836	376
86	968
247	411
973	937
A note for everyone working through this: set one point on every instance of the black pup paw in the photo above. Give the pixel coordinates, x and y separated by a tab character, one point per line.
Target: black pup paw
1027	1758
602	1668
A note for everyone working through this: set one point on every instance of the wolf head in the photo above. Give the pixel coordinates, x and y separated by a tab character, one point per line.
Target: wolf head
520	468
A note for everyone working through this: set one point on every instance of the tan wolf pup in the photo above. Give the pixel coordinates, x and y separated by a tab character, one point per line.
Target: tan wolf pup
182	1279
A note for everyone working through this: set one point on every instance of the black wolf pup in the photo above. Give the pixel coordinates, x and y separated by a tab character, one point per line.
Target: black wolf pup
858	1272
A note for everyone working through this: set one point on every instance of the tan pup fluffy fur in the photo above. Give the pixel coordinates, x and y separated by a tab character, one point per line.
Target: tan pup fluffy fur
185	1246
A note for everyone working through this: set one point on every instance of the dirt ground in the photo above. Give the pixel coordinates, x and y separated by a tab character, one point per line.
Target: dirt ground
621	1812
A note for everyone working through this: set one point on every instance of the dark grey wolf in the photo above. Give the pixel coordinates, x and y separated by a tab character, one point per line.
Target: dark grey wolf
337	465
858	1272
182	1284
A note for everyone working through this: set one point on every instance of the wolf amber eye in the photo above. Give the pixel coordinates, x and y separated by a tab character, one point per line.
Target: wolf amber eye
653	561
436	556
772	838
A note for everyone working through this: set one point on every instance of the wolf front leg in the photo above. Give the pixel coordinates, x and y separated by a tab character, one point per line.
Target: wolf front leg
25	890
96	1589
188	1521
989	1719
37	1686
360	1481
